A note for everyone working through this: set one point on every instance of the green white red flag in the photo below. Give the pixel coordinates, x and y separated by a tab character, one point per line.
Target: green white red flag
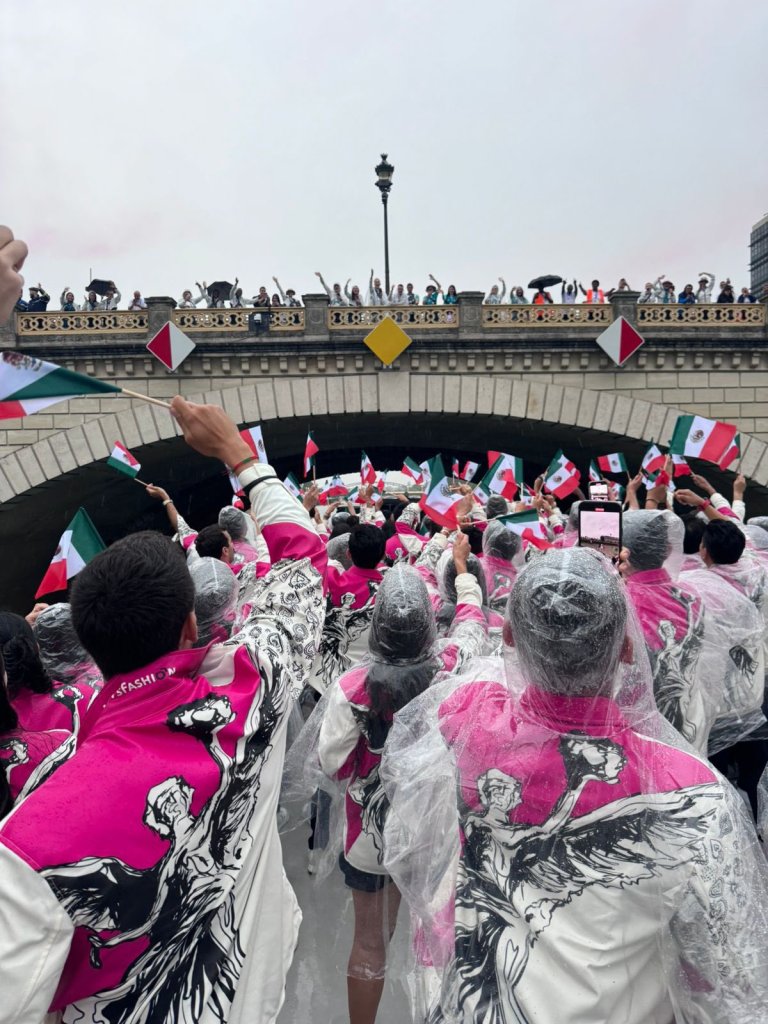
28	385
439	501
504	477
731	453
333	488
79	543
292	485
653	461
469	471
561	477
528	526
595	476
613	463
701	438
367	472
253	438
680	466
310	451
122	460
413	470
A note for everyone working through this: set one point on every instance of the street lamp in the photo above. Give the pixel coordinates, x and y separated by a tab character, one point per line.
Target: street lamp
384	172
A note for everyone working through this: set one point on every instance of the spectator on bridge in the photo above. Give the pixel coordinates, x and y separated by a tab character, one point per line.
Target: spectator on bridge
450	298
262	299
745	296
214	300
622	286
411	298
686	296
236	295
336	298
112	298
187	302
726	292
517	297
289	297
137	302
651	292
13	252
354	298
494	298
542	298
569	293
38	300
91	303
276	300
593	294
667	294
376	295
68	301
706	284
397	296
430	298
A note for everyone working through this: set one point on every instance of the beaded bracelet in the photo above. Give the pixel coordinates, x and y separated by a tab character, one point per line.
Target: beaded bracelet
242	465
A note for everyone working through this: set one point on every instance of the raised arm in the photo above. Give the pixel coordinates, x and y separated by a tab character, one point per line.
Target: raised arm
159	494
279	289
436	282
503	291
322	282
346	289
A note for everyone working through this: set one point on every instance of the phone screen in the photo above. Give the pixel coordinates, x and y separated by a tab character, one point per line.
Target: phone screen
598	492
600	527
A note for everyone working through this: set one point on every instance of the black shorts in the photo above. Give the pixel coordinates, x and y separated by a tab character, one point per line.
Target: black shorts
361	881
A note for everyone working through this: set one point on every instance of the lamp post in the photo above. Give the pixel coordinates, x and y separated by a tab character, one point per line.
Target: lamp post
384	172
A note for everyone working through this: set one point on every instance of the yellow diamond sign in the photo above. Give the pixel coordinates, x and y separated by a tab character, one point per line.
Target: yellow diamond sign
387	341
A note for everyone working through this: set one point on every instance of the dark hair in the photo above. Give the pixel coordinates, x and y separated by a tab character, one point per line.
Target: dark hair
8	717
130	603
496	506
694	531
211	541
341	524
390	689
644	534
475	536
724	542
388	528
23	665
366	546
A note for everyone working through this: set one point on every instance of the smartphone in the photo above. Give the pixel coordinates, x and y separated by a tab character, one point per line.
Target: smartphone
598	492
600	527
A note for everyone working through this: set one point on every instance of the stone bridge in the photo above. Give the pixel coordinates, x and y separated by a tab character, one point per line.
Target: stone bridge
525	379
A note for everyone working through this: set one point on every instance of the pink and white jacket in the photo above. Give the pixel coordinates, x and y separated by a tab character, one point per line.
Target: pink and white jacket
144	881
350	750
344	641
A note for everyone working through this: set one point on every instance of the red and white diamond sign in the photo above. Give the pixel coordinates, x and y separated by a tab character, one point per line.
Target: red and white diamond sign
620	340
171	346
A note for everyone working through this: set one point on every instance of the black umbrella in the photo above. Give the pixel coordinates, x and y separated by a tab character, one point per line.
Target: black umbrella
222	287
545	281
99	286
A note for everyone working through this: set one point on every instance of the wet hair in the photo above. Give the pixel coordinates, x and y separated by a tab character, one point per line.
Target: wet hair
448	588
567	614
343	523
499	542
234	521
338	549
130	602
694	531
211	541
724	542
475	536
496	506
23	665
644	533
366	546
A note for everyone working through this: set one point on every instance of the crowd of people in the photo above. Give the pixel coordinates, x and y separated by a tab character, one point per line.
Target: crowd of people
540	751
212	297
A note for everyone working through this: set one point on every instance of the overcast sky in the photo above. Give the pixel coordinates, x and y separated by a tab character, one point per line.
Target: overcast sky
166	141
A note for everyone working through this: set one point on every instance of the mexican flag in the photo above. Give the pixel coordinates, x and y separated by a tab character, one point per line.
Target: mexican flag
613	463
528	526
80	543
504	477
701	438
310	451
731	453
424	467
470	468
492	456
28	385
121	459
680	466
381	481
653	461
413	470
291	485
254	440
561	477
439	501
333	488
367	472
595	476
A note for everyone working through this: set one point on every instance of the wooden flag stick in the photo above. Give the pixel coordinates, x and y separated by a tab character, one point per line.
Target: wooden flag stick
144	398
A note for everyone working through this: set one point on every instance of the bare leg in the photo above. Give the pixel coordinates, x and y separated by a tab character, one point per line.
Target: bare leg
375	920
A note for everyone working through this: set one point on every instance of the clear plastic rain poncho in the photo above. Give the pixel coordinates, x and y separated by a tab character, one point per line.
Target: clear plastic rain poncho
242	529
680	622
566	856
216	590
64	657
338	753
446	585
502	557
337	549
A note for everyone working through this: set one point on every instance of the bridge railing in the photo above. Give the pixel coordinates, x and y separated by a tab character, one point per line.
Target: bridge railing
275	318
341	318
116	321
549	315
731	314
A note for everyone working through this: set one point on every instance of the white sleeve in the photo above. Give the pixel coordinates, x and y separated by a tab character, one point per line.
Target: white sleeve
739	509
339	732
35	936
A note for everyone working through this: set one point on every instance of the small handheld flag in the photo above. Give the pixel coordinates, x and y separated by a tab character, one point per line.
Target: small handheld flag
310	451
469	471
367	472
613	463
595	475
253	438
653	460
122	460
701	438
561	477
292	486
413	470
439	501
731	453
28	385
79	543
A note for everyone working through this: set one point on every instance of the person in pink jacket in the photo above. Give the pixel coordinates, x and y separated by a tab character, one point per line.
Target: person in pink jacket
566	856
143	882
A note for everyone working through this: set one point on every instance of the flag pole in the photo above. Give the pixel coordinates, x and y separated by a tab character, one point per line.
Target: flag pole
144	398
